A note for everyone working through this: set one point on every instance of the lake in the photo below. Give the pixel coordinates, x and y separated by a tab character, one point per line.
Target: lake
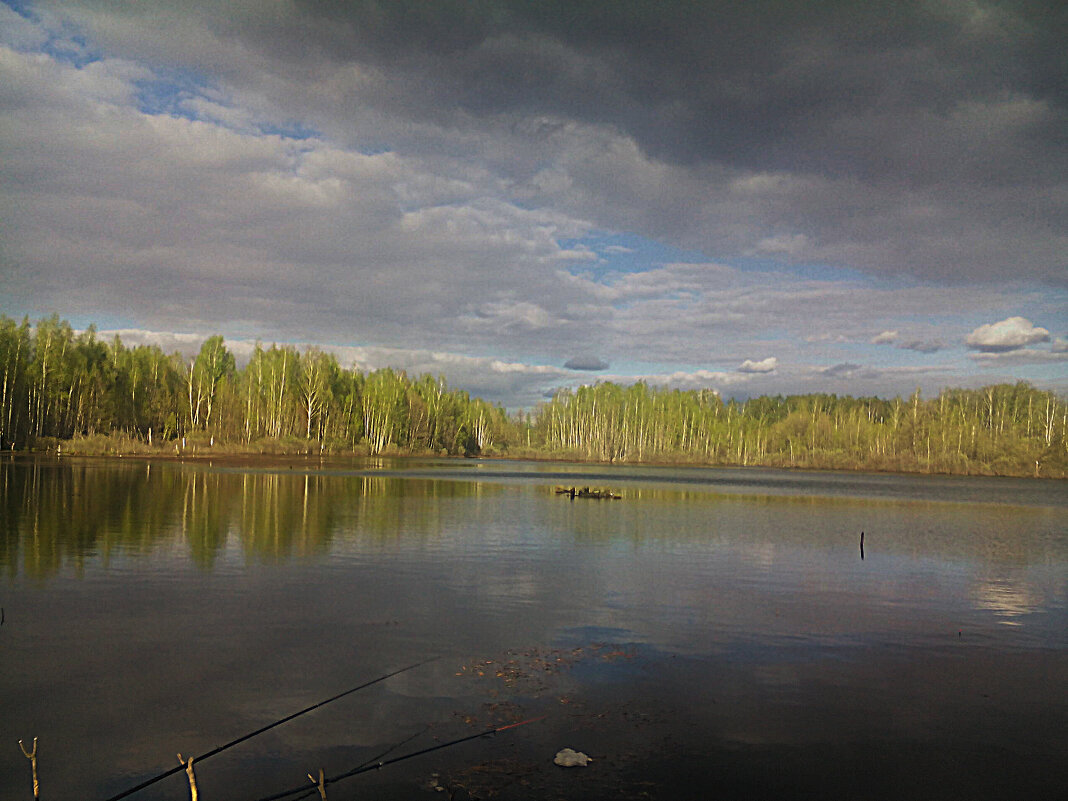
714	633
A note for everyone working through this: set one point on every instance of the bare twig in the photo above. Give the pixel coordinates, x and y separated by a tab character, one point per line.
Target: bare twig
188	765
321	784
32	756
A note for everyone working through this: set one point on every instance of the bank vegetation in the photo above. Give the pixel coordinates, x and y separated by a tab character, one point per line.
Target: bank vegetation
77	393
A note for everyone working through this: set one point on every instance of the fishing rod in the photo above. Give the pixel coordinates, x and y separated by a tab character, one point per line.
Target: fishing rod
250	735
376	765
376	758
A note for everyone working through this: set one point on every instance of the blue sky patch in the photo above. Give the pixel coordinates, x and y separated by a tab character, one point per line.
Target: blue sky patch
289	130
166	91
628	253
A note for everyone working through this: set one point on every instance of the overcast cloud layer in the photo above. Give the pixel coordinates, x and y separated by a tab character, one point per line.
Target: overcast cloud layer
758	197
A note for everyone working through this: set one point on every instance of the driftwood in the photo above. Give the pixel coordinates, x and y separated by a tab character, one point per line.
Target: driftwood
587	492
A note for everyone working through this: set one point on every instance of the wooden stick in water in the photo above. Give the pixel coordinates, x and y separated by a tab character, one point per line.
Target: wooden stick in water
32	756
321	784
188	765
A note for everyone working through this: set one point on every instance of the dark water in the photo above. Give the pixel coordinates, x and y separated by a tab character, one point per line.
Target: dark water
715	633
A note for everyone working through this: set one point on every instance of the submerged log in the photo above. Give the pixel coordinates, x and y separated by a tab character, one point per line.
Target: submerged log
587	492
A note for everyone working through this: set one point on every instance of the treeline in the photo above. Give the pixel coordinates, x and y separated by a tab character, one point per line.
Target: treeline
1004	429
59	384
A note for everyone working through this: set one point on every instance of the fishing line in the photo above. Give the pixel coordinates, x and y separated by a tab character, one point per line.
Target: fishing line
376	765
250	735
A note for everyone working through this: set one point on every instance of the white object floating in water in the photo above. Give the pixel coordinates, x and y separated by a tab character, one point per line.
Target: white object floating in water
570	758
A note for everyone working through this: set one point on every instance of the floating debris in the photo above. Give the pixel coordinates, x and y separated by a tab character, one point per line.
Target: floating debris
570	758
587	492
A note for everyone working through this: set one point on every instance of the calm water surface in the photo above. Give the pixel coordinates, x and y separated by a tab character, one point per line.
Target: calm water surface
714	633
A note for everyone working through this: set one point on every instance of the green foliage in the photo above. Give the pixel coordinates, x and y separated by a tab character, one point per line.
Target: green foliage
56	385
1004	429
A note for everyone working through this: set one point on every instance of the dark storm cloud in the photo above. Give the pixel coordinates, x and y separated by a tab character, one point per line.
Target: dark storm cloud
845	369
890	136
915	101
921	346
587	363
843	88
918	345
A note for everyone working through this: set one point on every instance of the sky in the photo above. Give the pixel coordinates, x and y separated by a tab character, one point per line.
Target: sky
758	198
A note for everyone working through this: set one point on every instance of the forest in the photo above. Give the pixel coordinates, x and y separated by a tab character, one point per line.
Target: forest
72	392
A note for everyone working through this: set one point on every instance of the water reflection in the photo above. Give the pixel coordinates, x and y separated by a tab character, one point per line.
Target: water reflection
221	597
57	514
60	514
1009	600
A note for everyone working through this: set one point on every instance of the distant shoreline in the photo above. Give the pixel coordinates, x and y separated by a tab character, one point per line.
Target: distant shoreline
288	452
71	393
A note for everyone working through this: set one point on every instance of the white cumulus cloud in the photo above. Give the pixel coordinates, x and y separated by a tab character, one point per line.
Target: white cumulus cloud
767	365
1009	334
